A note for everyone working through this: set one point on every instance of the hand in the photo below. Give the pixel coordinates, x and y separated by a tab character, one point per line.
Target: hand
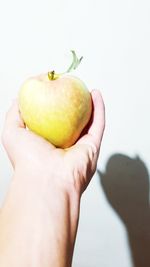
43	202
67	167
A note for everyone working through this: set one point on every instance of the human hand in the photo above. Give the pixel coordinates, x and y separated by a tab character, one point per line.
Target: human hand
44	198
30	153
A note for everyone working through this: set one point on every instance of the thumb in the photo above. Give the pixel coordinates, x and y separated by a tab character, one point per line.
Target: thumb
13	118
12	122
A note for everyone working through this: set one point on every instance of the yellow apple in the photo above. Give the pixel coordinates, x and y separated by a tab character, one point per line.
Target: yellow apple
56	106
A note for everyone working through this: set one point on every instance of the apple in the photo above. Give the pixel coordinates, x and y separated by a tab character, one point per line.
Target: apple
56	106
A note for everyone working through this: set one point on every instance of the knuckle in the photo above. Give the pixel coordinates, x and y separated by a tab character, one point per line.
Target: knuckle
92	151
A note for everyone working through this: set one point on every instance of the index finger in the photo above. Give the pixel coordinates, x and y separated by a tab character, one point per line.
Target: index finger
94	134
98	120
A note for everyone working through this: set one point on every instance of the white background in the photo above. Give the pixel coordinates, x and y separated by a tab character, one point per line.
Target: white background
114	39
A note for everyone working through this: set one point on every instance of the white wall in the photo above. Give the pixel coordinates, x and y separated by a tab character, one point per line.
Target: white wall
114	39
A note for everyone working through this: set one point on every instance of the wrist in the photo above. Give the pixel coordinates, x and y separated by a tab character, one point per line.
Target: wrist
52	189
45	218
62	182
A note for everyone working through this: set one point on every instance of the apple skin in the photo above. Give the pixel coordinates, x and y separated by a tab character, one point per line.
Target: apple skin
57	110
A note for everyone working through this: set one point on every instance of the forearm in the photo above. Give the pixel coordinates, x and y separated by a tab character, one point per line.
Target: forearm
38	224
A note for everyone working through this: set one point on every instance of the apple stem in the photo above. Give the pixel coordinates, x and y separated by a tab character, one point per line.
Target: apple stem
52	76
75	63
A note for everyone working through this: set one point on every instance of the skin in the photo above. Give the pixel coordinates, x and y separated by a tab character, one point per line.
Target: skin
39	219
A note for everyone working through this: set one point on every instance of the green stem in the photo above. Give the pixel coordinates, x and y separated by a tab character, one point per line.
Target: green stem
75	63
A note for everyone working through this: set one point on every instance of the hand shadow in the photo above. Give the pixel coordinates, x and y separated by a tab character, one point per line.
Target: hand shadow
126	185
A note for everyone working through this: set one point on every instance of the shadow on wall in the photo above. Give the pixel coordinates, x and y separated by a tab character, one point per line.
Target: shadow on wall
126	185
